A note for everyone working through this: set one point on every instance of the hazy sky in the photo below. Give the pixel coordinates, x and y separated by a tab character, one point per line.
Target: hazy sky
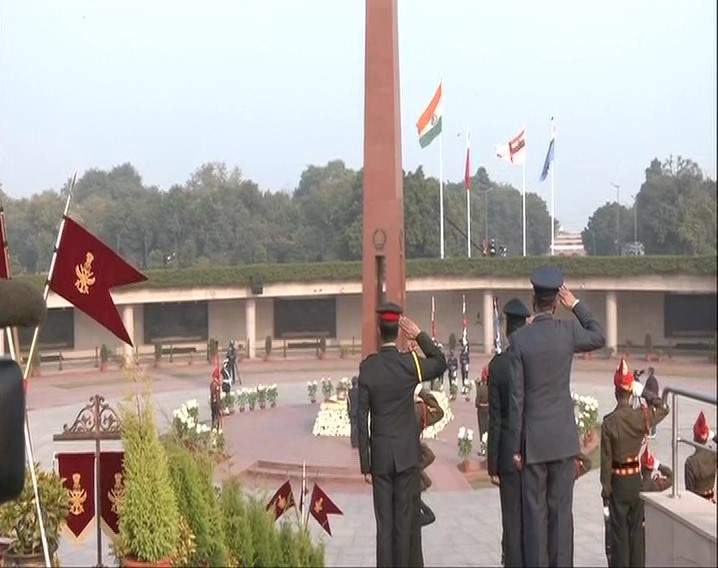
273	85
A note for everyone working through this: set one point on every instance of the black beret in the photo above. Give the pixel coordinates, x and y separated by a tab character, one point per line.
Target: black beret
516	308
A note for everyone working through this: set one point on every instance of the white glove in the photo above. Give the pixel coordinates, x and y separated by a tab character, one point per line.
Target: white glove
637	389
710	444
605	512
655	473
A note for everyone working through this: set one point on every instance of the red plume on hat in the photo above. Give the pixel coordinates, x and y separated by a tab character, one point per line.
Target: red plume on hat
215	373
701	430
485	374
623	378
647	459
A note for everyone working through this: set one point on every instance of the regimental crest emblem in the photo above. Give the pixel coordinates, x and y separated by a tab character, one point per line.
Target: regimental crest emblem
77	496
85	276
115	494
319	505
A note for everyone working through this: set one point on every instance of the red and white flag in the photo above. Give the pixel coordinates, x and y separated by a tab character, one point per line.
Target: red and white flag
515	151
467	169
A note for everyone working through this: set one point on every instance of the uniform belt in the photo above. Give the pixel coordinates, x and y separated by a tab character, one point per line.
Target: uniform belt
630	461
626	471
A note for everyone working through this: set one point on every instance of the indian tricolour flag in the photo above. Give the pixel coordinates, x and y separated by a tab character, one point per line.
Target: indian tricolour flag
429	123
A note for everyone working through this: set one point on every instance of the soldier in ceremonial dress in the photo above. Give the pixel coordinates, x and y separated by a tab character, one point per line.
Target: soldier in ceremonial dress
390	453
542	424
700	467
622	434
215	399
500	456
655	476
482	407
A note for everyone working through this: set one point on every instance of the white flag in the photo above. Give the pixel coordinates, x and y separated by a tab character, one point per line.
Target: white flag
515	151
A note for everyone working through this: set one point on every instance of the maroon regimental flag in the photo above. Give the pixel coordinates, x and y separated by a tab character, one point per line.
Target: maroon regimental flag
282	500
78	476
320	506
4	257
85	271
111	484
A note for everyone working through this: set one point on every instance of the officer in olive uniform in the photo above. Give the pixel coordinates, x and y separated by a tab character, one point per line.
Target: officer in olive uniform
700	468
654	475
215	399
500	455
622	435
389	455
352	396
482	407
544	437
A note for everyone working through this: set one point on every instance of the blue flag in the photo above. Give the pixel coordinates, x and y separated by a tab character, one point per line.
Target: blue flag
549	155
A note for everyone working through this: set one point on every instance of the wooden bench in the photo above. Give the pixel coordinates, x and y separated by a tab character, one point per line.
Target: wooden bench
179	350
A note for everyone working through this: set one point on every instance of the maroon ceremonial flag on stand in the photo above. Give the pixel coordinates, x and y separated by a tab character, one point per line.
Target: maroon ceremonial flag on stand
282	500
111	485
320	506
78	476
85	270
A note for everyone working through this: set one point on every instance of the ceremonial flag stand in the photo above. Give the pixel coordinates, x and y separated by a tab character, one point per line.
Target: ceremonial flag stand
97	421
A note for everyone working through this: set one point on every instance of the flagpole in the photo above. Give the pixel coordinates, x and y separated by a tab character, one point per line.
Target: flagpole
304	491
553	181
441	191
46	293
523	206
468	194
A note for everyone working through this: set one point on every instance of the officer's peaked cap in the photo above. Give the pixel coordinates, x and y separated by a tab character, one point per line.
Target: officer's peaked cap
389	311
548	278
515	308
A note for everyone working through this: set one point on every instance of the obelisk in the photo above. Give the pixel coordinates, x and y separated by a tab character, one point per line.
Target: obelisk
383	231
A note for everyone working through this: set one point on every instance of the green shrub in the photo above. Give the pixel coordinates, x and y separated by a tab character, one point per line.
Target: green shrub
237	530
265	539
149	517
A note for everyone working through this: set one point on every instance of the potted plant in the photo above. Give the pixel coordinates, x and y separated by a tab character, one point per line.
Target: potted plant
272	395
251	399
467	392
158	354
649	347
343	388
312	388
148	511
327	388
267	347
104	357
322	347
19	519
228	402
262	396
466	442
242	399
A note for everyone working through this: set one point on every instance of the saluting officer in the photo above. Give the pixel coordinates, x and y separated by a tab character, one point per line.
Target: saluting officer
500	455
700	467
389	455
622	434
544	437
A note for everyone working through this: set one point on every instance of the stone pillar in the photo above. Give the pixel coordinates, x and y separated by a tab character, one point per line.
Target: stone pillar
488	317
383	203
250	321
128	319
611	321
2	342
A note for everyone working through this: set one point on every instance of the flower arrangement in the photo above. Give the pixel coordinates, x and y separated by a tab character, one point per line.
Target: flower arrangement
327	388
343	388
332	421
251	398
185	419
312	390
466	439
228	401
272	395
586	410
262	396
242	399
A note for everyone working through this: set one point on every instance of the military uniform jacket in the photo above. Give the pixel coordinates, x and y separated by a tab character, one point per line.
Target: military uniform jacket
622	434
387	380
352	396
453	363
700	472
499	451
482	395
543	424
660	483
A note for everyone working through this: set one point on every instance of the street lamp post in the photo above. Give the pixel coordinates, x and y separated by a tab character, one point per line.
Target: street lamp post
618	218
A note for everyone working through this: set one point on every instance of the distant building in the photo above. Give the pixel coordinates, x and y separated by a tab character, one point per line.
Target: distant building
568	244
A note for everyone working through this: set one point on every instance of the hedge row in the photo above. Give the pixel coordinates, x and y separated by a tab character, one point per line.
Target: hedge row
573	266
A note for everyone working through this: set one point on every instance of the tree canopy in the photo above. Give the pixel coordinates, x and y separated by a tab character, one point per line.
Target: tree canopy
675	213
219	217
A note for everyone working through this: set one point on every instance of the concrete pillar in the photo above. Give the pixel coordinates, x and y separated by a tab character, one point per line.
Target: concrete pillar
611	321
488	316
2	342
250	319
128	319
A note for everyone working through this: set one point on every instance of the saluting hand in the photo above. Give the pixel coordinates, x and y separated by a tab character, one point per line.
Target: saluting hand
410	329
566	296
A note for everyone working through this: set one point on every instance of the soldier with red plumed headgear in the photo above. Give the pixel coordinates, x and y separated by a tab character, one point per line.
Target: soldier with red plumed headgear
622	435
655	475
215	398
700	468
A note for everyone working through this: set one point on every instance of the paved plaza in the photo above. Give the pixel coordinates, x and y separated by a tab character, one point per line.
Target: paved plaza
467	531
